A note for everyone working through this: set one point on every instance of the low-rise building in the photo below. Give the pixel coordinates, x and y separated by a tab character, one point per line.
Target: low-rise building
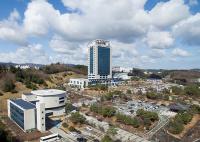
23	114
30	111
79	83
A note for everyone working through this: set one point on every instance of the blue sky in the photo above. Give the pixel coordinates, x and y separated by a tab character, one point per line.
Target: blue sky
143	33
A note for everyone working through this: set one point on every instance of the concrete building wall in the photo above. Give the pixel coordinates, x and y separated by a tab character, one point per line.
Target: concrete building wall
29	119
52	101
41	124
8	107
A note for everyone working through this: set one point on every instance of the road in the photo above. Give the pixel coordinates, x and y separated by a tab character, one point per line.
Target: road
66	137
163	120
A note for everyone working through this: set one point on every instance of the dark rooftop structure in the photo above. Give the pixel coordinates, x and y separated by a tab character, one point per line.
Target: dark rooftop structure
177	107
24	104
28	94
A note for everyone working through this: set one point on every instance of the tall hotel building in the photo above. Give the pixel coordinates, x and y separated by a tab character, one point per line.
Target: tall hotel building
99	61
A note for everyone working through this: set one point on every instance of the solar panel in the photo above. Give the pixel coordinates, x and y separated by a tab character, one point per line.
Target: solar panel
24	104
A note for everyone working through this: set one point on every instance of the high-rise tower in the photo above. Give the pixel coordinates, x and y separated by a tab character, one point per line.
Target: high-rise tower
99	61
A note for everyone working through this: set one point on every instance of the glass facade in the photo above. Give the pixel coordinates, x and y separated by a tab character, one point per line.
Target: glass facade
91	60
17	115
103	61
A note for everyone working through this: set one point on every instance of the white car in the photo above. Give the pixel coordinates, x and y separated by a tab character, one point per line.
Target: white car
88	128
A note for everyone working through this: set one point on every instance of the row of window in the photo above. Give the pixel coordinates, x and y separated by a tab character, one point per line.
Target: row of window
76	82
17	115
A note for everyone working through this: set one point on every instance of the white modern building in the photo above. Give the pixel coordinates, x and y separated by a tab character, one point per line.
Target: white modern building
79	83
23	114
30	112
53	99
121	69
123	76
99	60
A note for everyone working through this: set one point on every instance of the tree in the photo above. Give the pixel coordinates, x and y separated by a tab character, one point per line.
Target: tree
192	90
112	131
195	109
106	138
69	107
65	125
77	118
128	91
128	120
185	117
177	90
105	111
151	95
8	85
4	135
153	116
175	127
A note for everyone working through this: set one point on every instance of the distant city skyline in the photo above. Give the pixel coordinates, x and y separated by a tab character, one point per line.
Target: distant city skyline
143	33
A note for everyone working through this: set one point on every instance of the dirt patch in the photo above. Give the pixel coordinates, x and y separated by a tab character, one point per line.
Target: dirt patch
20	135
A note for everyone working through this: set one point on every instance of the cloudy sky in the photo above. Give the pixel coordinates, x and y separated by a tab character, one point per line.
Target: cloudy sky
143	33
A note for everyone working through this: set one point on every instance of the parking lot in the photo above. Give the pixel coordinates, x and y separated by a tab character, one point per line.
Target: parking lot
131	107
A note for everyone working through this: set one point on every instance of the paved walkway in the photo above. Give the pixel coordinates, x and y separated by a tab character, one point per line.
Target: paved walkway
163	120
66	137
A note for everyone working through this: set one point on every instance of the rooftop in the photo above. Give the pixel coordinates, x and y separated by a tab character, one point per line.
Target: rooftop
28	94
24	104
48	92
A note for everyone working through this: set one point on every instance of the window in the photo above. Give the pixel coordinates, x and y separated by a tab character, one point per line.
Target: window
61	98
17	115
103	61
61	102
91	59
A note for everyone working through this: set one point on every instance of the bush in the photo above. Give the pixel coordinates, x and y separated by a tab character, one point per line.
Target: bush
128	120
185	117
106	138
192	90
77	118
1	94
177	90
4	135
175	127
98	87
72	129
195	109
65	125
8	86
153	116
30	85
151	95
112	131
128	91
69	107
105	111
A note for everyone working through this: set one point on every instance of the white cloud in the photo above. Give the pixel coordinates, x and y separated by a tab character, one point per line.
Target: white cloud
29	54
97	19
11	31
157	53
166	14
178	52
159	39
188	30
193	2
60	45
124	22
